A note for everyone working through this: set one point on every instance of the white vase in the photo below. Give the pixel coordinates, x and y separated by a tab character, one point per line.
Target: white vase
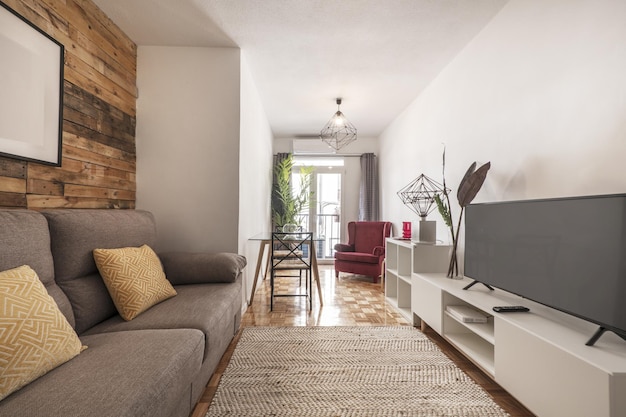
427	231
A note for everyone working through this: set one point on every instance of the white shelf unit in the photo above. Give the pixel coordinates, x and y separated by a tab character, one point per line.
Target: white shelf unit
398	264
475	339
539	357
402	259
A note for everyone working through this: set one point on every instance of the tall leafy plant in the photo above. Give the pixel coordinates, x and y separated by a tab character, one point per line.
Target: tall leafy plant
290	204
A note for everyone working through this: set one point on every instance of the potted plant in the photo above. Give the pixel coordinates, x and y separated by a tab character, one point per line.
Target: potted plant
288	205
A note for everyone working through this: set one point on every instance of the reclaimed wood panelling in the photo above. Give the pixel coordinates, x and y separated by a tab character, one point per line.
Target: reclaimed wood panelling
99	158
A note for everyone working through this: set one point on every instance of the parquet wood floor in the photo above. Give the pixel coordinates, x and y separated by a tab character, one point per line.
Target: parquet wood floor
349	301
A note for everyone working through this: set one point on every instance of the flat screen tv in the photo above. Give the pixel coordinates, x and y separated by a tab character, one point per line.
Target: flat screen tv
565	253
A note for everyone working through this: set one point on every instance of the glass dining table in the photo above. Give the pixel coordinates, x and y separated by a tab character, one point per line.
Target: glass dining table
265	240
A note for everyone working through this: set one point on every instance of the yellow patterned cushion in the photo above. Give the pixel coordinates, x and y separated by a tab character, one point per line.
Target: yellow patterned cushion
35	336
134	278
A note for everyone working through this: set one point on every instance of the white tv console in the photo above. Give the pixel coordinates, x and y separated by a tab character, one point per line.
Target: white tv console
539	357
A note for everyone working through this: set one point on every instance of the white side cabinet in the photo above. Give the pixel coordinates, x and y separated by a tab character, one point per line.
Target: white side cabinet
539	357
403	258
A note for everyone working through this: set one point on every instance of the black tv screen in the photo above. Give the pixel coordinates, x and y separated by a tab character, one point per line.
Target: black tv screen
566	253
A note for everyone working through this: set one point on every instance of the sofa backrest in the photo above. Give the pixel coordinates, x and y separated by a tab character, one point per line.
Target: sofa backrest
25	240
74	234
365	236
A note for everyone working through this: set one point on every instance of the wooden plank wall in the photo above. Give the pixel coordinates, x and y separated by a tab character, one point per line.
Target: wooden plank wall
99	159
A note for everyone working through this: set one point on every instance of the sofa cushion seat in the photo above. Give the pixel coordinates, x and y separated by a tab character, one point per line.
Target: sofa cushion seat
118	376
208	308
357	257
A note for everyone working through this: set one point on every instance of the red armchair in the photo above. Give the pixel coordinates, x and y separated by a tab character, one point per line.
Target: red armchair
365	251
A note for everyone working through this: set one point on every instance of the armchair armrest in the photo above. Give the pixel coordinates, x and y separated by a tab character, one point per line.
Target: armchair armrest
342	247
379	251
201	268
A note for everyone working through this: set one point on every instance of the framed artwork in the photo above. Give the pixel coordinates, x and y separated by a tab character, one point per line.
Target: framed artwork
31	91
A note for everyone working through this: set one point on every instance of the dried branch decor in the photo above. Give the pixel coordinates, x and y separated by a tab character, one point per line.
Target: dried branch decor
468	188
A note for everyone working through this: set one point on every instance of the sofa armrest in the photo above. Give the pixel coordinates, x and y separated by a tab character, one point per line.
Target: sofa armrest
201	268
342	247
379	251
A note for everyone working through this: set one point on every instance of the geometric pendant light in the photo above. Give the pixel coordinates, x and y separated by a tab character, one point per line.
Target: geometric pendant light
338	132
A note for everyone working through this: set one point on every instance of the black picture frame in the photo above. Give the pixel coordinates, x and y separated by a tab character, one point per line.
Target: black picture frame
31	91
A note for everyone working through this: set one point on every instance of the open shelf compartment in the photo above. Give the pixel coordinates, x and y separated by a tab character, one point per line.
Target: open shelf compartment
477	340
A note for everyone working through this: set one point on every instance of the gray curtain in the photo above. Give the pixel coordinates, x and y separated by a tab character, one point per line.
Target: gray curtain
276	203
368	195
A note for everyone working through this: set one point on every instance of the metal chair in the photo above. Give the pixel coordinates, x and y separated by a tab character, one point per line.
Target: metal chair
291	252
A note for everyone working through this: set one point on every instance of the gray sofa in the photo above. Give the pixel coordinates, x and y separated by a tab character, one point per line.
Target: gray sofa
159	363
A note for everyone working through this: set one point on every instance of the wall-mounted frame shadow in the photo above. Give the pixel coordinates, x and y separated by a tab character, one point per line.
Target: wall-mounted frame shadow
31	91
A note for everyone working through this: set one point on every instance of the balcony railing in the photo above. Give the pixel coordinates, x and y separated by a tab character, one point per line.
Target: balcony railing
326	227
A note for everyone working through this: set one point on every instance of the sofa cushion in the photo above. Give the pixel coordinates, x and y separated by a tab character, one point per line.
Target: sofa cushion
208	308
25	240
202	268
357	257
118	376
75	233
36	336
134	278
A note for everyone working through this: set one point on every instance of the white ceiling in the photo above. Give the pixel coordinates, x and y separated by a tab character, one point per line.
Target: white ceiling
378	55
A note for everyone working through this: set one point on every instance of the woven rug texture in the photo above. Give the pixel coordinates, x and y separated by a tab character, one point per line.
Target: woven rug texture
345	371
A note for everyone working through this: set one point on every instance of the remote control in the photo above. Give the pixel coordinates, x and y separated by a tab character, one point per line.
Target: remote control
510	309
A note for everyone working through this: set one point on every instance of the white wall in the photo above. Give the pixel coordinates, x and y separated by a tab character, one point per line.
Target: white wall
188	145
255	173
540	92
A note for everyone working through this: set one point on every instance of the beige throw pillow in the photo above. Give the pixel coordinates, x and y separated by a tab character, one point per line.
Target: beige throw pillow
134	278
35	337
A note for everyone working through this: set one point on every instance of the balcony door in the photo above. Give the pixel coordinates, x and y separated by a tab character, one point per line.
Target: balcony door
323	217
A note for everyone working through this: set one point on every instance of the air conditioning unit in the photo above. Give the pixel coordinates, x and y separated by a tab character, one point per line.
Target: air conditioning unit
312	146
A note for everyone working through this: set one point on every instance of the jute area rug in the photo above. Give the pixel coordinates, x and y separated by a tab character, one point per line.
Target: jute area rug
345	371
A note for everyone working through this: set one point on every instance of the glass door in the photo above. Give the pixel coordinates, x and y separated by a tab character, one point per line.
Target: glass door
328	216
323	216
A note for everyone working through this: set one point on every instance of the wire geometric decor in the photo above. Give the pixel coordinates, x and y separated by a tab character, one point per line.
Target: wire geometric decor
419	195
338	132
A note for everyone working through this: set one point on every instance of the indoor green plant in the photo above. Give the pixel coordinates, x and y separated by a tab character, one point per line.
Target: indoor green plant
288	206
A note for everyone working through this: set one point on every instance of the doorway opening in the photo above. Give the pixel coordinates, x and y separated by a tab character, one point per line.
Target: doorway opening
324	216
